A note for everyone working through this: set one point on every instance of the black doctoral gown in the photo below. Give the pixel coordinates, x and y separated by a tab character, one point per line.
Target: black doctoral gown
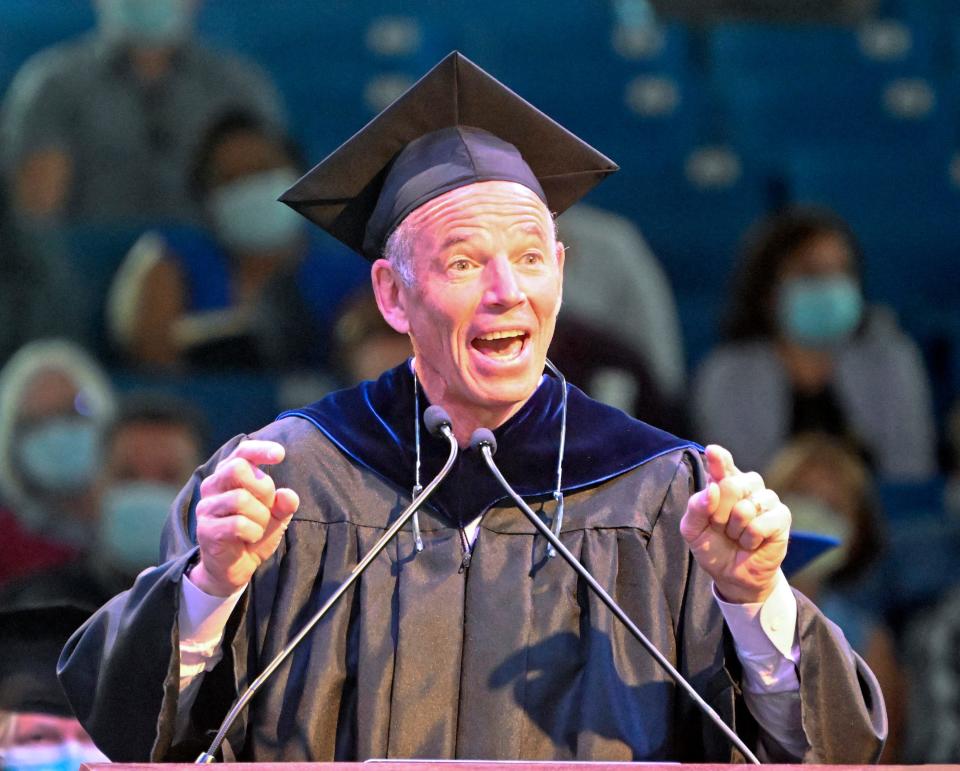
508	657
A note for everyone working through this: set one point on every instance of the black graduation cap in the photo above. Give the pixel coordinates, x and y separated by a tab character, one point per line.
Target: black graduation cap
455	126
31	639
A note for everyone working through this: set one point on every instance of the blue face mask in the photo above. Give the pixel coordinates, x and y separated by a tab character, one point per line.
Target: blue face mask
247	216
145	22
60	455
65	756
131	519
819	312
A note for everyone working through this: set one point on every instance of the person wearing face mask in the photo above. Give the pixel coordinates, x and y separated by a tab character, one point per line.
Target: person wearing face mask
805	352
829	491
154	442
103	128
252	289
54	402
38	731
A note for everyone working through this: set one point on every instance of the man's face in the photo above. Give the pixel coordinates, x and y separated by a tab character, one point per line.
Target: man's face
481	313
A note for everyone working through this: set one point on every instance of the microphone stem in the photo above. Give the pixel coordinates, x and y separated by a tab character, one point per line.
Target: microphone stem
415	504
617	611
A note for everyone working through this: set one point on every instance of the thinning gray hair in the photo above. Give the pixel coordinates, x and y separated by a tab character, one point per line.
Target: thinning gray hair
398	251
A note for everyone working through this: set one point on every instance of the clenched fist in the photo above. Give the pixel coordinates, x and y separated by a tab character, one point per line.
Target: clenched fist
737	530
241	517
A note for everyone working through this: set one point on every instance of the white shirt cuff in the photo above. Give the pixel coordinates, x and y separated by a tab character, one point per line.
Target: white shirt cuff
202	620
764	635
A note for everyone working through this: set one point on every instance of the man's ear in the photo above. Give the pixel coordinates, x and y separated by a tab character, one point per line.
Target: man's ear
388	290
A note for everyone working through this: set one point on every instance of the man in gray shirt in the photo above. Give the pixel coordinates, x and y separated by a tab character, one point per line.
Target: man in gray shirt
103	127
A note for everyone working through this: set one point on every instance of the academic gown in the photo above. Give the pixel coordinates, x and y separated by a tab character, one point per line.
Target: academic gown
506	655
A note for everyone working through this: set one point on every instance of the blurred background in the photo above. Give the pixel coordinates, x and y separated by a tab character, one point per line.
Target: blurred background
775	266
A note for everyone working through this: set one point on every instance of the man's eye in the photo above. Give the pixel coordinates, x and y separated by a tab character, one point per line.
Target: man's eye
460	265
532	258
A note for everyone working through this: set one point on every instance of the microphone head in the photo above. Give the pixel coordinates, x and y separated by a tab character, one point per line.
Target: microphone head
483	437
435	418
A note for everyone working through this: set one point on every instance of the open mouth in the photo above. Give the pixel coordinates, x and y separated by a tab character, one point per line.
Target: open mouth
504	345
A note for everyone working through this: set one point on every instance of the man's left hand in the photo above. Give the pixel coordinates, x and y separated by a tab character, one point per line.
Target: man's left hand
737	530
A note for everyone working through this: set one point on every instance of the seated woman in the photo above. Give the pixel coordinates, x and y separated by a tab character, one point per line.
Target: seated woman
804	352
254	288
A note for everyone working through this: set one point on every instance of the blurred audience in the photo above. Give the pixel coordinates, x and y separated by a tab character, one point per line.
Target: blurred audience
594	360
253	289
37	729
54	402
365	346
149	452
104	127
613	283
830	492
933	642
38	288
805	352
932	648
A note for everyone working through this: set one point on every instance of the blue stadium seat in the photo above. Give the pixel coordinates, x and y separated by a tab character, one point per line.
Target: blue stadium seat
780	88
693	212
701	315
331	66
740	51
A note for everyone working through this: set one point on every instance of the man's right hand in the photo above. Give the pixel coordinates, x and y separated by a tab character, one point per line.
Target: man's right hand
241	517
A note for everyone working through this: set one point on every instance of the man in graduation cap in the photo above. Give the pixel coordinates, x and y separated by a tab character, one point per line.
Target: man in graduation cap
477	645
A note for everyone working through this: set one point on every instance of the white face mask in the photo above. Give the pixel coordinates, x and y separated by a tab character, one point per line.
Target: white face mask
64	756
247	216
131	519
60	455
145	22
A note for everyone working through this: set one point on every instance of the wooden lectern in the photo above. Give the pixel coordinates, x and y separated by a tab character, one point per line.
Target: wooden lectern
487	765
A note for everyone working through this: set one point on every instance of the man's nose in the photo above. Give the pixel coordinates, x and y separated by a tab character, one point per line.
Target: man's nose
502	288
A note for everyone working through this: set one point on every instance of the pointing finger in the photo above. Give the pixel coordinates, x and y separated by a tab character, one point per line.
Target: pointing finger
719	462
259	451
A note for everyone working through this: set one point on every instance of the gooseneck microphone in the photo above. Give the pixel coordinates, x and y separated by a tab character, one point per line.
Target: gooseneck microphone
438	423
484	442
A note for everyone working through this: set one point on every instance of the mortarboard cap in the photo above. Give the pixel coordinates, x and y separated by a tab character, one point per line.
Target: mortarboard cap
455	126
803	548
31	639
